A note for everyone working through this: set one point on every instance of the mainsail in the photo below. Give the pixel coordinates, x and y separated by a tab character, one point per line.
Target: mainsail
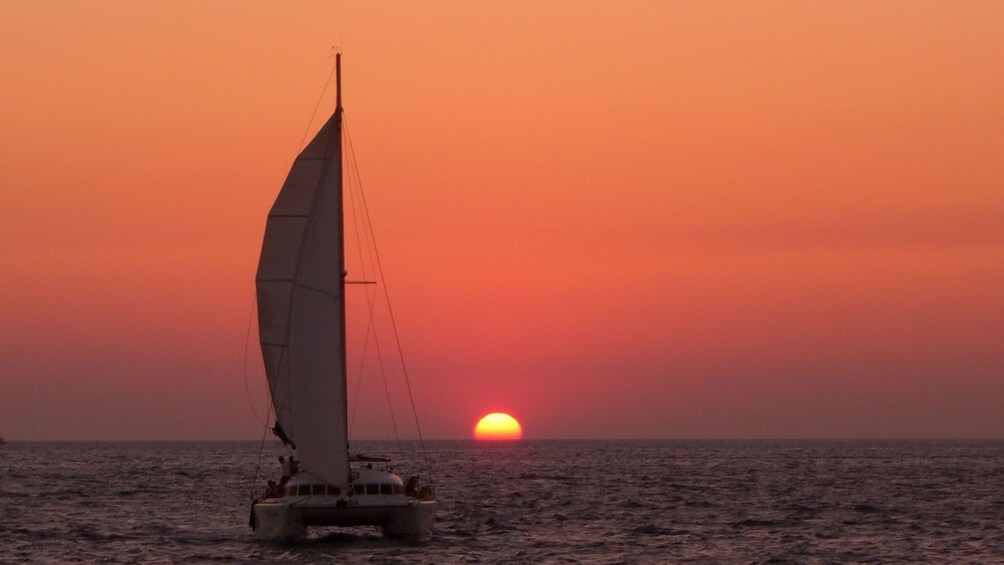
301	306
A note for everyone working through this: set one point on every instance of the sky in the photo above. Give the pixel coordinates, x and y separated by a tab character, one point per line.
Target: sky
608	219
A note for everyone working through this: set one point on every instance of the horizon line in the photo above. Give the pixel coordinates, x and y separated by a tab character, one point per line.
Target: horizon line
522	440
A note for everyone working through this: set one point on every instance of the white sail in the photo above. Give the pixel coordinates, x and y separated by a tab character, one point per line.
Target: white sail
301	307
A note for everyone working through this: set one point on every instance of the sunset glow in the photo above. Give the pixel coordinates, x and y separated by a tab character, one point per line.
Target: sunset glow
498	426
629	220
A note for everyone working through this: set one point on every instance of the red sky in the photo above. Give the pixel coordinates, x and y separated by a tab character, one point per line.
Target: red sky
609	219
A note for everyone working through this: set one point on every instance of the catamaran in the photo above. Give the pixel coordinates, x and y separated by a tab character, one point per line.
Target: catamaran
301	282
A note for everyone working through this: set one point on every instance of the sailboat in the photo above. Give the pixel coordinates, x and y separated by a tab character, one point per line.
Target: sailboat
301	283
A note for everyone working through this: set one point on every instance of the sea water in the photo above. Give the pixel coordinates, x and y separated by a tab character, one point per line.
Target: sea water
531	501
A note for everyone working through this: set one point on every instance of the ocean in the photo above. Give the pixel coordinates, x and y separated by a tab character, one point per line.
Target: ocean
532	501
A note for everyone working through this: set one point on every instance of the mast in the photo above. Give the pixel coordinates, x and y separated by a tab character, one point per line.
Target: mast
342	347
338	82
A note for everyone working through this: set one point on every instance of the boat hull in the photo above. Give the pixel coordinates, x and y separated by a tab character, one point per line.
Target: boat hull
282	520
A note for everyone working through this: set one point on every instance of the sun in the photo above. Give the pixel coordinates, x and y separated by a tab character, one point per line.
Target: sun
498	426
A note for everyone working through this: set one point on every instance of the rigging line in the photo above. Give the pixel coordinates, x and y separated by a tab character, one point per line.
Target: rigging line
370	328
316	106
354	205
261	450
386	388
390	310
369	325
268	412
366	338
247	388
273	386
358	177
370	298
359	379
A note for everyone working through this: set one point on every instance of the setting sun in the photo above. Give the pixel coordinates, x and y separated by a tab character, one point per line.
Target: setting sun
498	426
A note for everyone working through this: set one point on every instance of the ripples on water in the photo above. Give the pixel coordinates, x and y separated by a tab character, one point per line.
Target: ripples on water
556	501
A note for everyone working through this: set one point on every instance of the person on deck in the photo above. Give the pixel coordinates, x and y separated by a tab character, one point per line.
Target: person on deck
287	470
272	490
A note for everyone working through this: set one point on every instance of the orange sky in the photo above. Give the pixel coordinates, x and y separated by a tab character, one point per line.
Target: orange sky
609	219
